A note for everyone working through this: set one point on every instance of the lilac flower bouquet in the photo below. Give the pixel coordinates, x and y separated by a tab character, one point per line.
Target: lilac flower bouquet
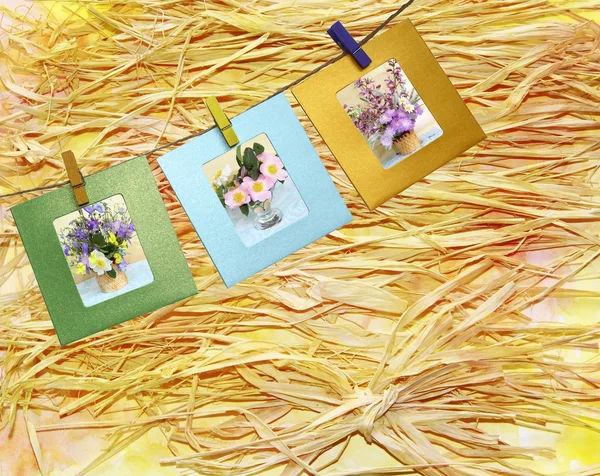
387	113
97	241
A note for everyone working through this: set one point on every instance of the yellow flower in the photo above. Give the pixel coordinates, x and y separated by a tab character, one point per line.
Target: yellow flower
239	197
118	258
80	268
112	239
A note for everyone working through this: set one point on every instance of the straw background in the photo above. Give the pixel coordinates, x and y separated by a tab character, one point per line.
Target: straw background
453	331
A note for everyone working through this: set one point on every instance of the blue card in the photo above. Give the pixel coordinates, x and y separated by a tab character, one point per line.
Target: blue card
257	202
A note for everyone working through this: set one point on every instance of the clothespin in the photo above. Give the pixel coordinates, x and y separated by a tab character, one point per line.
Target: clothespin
222	121
344	40
75	178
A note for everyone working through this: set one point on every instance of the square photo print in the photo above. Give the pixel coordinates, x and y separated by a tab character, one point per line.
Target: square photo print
389	113
108	261
393	122
255	190
103	250
257	202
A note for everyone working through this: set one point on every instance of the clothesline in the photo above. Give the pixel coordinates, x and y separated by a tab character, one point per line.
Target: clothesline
279	91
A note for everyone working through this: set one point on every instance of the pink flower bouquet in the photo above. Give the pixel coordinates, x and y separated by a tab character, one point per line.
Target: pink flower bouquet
251	186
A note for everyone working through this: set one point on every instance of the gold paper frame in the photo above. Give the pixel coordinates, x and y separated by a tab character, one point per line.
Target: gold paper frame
375	184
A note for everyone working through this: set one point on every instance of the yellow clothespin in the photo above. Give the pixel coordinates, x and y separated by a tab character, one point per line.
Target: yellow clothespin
222	121
75	178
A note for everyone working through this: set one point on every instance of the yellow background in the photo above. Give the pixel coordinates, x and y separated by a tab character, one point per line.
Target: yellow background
66	452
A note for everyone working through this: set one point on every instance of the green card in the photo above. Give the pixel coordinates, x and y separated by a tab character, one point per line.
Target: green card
109	261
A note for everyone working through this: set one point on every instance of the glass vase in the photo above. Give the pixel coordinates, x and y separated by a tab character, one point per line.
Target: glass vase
266	216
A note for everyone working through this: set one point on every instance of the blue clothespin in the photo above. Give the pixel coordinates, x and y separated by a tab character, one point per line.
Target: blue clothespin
344	40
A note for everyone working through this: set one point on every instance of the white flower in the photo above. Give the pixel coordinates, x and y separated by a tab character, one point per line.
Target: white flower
409	107
224	175
403	100
99	263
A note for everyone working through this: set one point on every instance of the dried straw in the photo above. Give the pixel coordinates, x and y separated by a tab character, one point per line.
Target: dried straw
420	327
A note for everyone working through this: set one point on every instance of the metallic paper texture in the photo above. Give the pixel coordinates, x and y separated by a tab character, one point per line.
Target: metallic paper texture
172	277
375	184
326	209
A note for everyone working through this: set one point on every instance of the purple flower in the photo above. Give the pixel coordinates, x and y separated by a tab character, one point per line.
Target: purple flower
400	114
387	116
406	124
390	131
75	238
379	114
386	141
387	137
122	232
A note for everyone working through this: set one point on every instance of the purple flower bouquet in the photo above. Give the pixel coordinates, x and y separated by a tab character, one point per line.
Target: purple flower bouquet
96	242
387	113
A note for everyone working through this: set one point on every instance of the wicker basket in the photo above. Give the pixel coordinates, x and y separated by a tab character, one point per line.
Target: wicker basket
406	143
109	285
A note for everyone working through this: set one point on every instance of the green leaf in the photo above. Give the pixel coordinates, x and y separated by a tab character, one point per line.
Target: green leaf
258	149
238	155
250	160
220	192
254	173
98	240
245	209
111	274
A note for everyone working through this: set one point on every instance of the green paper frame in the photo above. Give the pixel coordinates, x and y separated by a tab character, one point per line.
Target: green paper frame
173	280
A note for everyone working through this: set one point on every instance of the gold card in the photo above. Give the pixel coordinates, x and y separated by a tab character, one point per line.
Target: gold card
392	123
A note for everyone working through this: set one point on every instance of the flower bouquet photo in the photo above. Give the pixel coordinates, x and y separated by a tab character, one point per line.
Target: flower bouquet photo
250	188
103	250
387	110
254	203
96	242
255	190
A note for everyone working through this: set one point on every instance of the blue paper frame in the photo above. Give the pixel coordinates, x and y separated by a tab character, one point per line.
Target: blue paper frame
326	209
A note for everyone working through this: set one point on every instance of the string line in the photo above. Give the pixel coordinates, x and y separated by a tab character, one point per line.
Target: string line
279	91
